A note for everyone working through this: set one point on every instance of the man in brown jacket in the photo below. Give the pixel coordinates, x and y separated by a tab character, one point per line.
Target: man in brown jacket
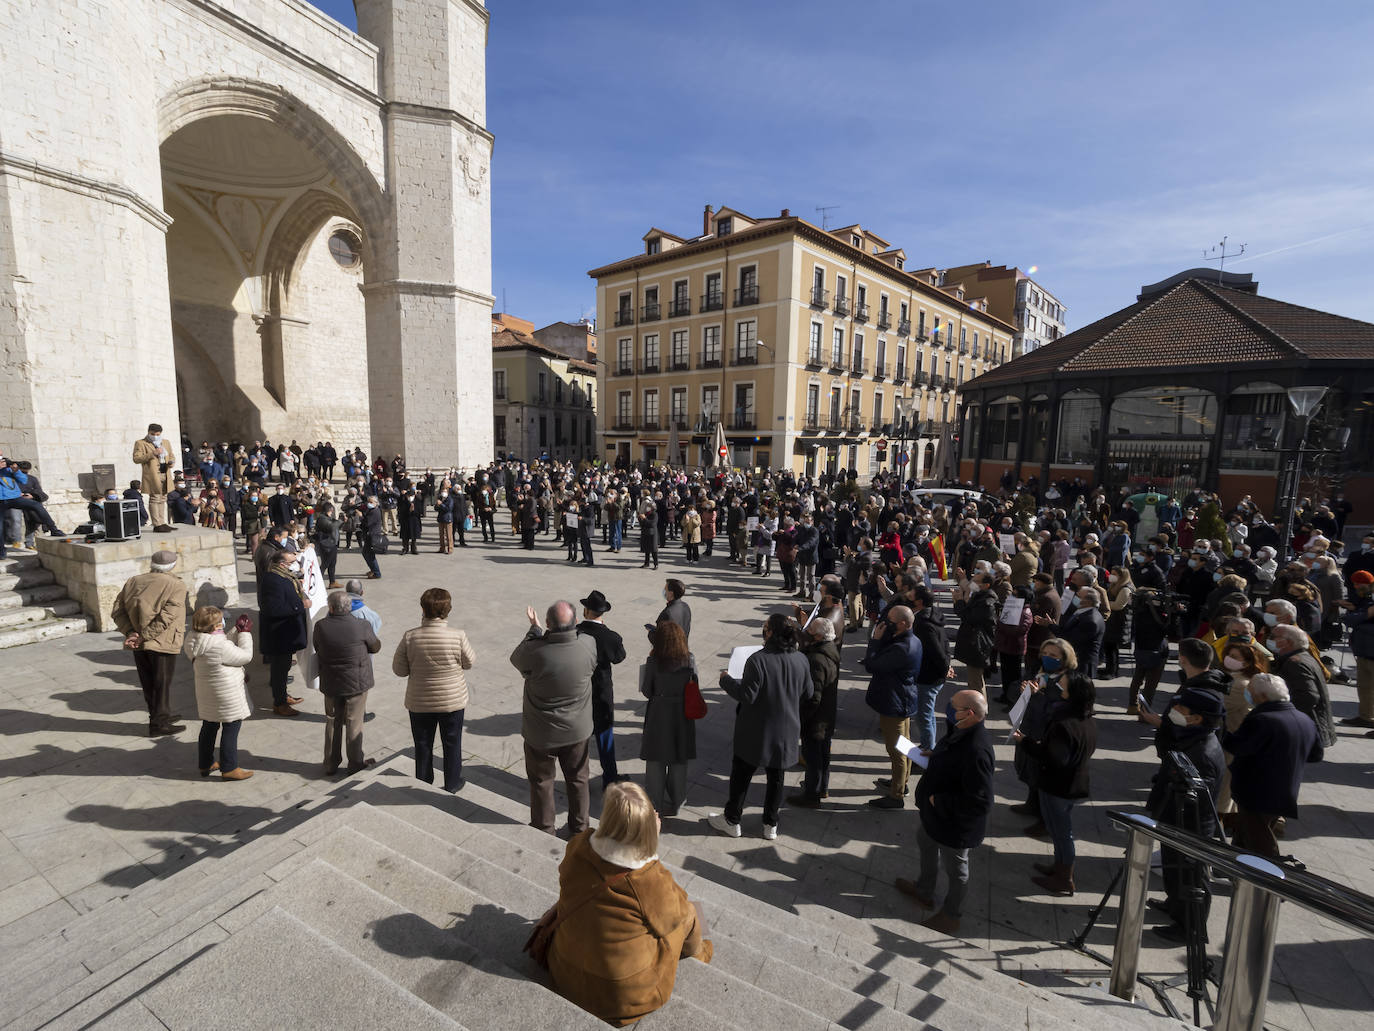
150	611
155	455
344	647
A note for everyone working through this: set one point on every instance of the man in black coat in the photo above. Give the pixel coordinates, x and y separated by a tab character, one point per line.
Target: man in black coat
282	623
1190	728
1268	753
1083	627
462	511
281	506
610	650
955	797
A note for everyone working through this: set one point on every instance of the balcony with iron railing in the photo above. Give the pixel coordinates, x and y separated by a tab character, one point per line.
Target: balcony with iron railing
853	424
623	368
744	356
860	311
963	348
841	304
919	378
679	308
648	365
745	295
899	373
835	421
921	334
880	370
679	363
649	422
708	359
811	422
498	393
903	327
650	312
949	345
742	420
625	317
712	302
813	358
820	297
884	319
681	420
623	424
837	361
858	366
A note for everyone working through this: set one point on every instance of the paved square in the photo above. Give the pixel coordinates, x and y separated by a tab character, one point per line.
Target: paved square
91	807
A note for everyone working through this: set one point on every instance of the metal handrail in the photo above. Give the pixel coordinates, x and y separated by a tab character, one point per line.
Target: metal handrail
1252	926
1322	896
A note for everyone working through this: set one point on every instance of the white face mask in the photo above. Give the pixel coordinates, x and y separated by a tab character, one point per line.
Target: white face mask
1271	619
1177	718
1231	662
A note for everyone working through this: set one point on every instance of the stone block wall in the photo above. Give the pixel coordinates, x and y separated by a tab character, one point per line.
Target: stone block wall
94	573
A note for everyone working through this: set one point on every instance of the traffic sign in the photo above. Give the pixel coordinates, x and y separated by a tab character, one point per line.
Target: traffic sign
882	444
902	458
724	451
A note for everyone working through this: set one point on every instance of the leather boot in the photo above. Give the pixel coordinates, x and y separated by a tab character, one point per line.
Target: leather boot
1058	883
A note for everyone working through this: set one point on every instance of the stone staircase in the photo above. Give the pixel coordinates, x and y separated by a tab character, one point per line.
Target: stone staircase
388	903
33	606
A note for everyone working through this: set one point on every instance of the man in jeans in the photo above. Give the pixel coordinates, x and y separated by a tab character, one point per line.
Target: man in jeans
557	665
955	797
893	660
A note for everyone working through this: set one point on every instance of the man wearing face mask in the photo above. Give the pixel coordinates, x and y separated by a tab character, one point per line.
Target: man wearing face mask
1192	721
1305	678
675	609
155	455
976	604
954	796
1146	575
1084	628
1195	583
1360	560
370	535
893	661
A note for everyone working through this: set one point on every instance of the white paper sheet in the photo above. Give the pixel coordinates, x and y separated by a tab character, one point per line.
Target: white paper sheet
912	751
570	520
1019	710
1007	542
751	523
739	657
809	618
1012	609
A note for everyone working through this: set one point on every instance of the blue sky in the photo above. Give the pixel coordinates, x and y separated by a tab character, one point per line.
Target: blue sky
1108	143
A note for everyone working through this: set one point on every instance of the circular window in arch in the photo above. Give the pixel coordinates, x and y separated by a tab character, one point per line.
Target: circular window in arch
346	249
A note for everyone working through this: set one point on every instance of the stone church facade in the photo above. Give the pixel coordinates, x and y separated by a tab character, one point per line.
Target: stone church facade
241	220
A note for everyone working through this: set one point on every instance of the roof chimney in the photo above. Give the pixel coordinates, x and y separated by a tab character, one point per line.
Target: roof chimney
706	221
786	213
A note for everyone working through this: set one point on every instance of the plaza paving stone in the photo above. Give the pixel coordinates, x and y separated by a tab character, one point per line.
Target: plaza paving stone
90	807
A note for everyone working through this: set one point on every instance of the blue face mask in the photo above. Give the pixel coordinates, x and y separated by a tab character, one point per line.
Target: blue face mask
1050	663
951	715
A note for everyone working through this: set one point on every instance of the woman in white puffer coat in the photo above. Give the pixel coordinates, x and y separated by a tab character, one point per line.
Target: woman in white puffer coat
221	699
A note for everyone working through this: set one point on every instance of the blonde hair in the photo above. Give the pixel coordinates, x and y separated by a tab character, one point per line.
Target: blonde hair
1065	649
206	619
628	818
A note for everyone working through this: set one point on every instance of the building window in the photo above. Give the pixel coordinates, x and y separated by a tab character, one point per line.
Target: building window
1253	425
498	384
904	311
746	341
856	241
543	397
624	408
813	355
346	249
680	356
653	246
713	298
499	431
572	432
834	407
1002	430
624	354
651	352
677	406
1080	418
921	324
858	351
558	431
744	406
543	431
650	407
724	226
841	286
710	345
813	405
837	347
877	411
710	405
558	389
1164	412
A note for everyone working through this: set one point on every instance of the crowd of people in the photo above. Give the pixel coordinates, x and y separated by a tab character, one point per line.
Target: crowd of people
1052	592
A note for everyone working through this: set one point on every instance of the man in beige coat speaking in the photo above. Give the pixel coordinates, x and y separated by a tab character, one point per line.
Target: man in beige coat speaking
155	455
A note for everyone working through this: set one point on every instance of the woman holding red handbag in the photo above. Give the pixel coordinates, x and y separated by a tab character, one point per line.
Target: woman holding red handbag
669	740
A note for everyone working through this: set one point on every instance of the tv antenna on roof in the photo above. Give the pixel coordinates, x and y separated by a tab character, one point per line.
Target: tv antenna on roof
1218	254
824	212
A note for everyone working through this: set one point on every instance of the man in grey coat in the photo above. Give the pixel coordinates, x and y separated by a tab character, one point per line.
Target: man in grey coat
557	665
344	647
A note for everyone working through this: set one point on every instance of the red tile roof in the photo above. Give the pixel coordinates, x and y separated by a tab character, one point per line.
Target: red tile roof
1193	324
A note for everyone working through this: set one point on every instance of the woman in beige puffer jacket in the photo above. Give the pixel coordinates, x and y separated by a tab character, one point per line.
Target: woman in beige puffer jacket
221	700
432	657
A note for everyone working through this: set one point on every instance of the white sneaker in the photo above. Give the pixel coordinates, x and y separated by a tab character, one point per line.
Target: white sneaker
770	831
724	826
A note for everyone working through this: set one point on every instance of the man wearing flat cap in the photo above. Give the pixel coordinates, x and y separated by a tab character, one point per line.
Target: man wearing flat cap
610	650
150	611
1189	727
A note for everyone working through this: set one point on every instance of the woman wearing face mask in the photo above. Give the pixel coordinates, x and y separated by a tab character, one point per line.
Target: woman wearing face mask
1330	590
370	535
221	701
1057	658
1061	752
1241	661
1120	590
1194	583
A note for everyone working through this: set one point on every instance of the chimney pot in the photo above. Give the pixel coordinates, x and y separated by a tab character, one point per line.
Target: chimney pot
786	212
706	221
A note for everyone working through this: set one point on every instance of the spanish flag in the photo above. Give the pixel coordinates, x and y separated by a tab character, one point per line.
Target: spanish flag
937	547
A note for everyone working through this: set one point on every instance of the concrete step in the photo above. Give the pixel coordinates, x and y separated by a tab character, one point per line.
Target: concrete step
22	596
19	562
278	973
50	628
35	576
63	608
795	913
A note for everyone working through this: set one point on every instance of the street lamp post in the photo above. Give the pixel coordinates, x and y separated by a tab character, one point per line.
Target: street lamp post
1304	402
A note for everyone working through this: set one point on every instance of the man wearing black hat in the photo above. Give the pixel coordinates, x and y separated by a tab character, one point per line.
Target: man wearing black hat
610	650
1189	727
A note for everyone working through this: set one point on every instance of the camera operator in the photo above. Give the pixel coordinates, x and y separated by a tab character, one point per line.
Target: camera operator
14	496
1190	727
1154	621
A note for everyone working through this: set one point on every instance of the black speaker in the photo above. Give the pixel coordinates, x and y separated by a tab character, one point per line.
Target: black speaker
121	520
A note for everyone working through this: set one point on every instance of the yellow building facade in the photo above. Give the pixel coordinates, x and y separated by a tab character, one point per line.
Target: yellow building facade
811	346
543	402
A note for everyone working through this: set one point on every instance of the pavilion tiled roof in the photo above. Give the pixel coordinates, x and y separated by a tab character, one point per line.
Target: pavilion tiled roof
1195	323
